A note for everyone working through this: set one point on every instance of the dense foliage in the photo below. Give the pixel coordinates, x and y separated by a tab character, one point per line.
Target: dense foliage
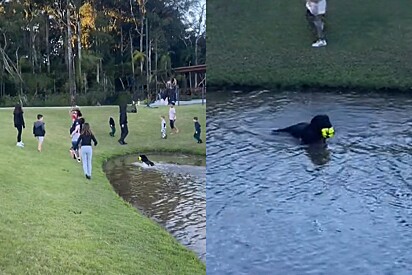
115	45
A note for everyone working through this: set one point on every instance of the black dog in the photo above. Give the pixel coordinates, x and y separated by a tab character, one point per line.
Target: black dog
317	131
144	159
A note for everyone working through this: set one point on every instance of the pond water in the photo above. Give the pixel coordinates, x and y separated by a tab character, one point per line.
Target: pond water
172	193
276	207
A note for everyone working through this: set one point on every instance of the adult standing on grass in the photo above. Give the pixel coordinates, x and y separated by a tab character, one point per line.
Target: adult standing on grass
85	140
172	118
124	130
19	123
316	10
174	89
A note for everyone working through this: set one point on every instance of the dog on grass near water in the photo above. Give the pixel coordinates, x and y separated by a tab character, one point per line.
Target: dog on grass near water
317	131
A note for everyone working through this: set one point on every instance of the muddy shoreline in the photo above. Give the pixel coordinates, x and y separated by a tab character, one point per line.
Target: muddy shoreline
172	193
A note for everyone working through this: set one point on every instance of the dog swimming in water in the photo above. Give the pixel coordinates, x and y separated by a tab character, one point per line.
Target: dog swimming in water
317	131
144	159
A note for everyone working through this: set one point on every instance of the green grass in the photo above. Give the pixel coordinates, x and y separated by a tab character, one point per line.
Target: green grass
267	43
40	234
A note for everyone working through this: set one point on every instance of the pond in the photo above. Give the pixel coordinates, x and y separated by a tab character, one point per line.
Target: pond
275	207
172	193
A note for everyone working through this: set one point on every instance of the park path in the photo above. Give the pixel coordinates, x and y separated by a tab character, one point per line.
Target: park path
157	103
186	102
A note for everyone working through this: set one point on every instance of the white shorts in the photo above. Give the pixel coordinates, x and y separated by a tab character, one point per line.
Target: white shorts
40	139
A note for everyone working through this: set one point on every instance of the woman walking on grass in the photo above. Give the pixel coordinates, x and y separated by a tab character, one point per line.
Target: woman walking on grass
85	141
19	123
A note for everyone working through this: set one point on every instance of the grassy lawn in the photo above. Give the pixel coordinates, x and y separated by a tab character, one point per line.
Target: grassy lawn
42	194
268	44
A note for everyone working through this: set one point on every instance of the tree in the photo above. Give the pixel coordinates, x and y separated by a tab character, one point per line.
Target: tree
56	48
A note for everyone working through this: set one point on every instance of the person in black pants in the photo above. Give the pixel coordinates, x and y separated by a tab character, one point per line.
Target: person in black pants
196	135
112	127
123	123
19	123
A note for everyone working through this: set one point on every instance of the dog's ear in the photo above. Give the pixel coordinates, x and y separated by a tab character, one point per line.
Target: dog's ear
316	120
320	121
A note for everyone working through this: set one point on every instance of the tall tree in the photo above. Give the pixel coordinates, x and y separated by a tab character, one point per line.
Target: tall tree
58	47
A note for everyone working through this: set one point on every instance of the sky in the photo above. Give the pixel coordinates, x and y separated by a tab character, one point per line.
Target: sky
195	12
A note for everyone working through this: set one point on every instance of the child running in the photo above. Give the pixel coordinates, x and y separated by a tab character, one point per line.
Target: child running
196	135
112	127
163	129
73	113
76	120
85	140
75	131
39	131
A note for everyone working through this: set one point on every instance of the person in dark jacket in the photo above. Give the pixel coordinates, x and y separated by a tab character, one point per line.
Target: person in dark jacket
196	135
39	131
123	123
112	127
77	120
85	140
19	123
75	131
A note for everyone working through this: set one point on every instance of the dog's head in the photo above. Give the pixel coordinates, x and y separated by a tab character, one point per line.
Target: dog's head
322	124
142	158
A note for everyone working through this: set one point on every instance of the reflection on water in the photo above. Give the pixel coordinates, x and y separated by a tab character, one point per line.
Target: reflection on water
172	193
276	207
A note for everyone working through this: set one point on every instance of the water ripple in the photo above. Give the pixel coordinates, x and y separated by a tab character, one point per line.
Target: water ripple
275	205
173	195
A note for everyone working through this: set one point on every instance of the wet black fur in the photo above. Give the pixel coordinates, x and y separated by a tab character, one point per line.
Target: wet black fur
308	133
146	160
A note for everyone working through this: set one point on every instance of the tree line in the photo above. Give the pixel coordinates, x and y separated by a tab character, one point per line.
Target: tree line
83	52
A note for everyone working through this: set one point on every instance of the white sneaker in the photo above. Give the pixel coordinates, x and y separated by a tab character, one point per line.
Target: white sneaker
19	144
319	43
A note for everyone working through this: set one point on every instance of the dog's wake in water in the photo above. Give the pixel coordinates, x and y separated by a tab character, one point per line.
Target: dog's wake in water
168	168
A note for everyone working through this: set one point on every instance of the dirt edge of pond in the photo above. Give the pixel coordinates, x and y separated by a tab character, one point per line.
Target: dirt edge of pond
155	152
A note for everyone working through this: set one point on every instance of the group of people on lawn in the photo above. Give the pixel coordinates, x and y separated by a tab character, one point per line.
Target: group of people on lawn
83	137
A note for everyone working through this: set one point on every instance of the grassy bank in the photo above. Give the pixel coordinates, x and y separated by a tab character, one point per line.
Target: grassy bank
268	44
43	194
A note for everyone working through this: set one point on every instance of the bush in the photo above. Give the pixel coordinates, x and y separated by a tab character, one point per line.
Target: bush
9	101
90	99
